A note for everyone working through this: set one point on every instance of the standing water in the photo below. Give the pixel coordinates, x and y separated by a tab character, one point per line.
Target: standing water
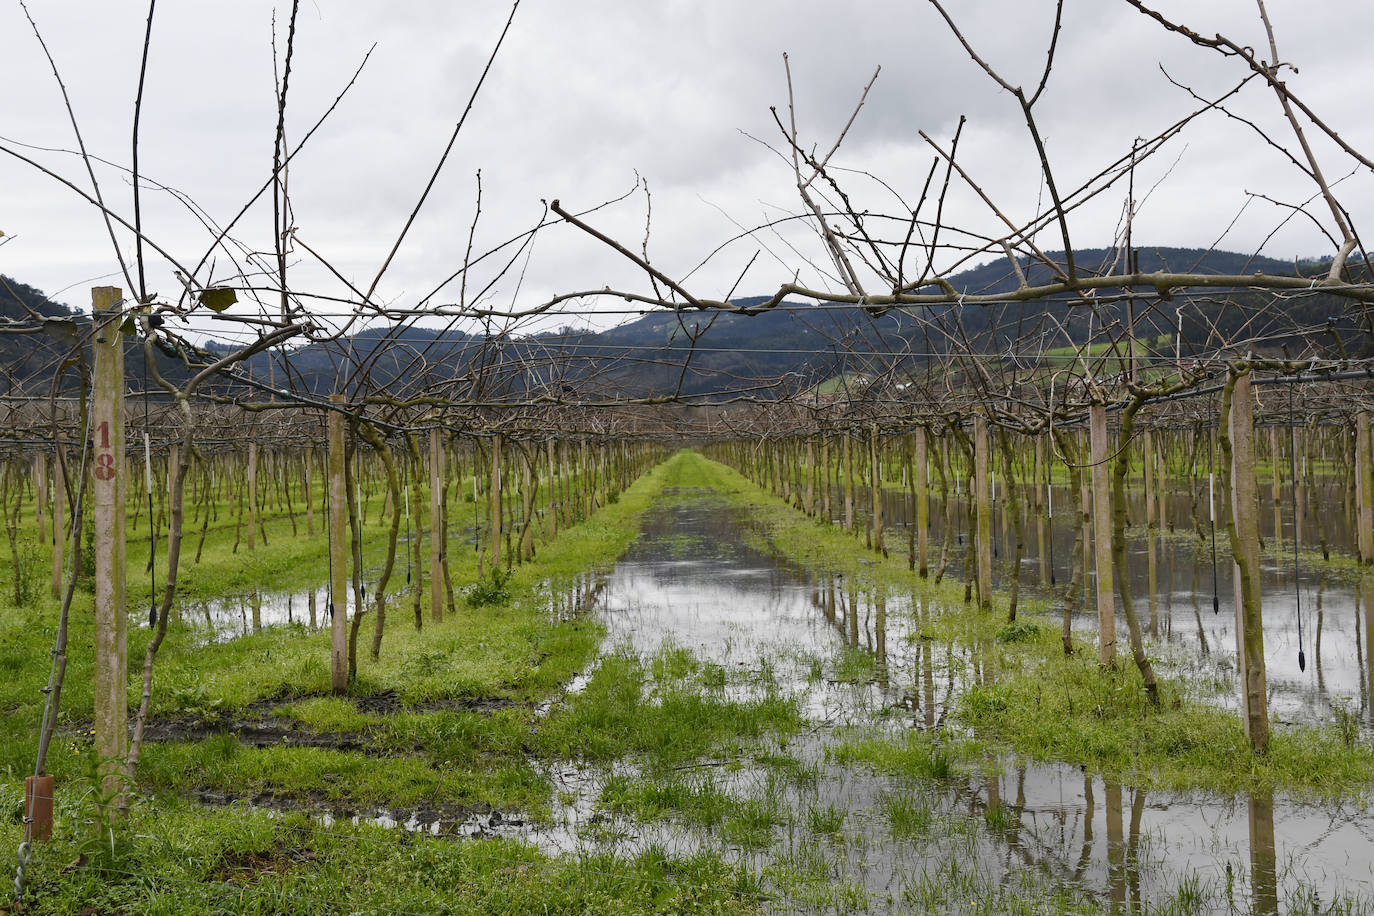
994	834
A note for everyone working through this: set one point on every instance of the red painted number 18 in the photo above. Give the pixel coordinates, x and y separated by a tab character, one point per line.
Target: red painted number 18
104	460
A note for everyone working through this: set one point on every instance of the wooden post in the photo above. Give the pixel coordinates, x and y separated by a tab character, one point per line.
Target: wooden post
40	494
983	498
922	473
1364	487
1102	535
436	526
252	493
1161	486
108	483
1148	451
497	444
1040	503
59	525
1274	491
848	485
875	488
338	551
309	493
1245	546
1085	506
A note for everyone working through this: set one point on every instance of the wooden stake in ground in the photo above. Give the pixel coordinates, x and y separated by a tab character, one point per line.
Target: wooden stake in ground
107	491
1102	535
1364	487
983	497
1243	529
252	494
436	526
495	508
338	551
40	495
922	472
59	524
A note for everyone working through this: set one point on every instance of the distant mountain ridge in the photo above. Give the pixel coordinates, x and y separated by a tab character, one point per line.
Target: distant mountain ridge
792	348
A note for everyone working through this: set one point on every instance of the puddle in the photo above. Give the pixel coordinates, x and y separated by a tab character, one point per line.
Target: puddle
1178	611
857	658
443	821
235	616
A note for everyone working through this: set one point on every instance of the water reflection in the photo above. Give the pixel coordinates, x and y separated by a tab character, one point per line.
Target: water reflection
236	616
692	582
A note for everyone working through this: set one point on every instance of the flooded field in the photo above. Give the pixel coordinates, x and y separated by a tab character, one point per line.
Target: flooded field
833	834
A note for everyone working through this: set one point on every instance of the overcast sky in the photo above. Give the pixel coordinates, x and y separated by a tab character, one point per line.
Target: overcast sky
588	94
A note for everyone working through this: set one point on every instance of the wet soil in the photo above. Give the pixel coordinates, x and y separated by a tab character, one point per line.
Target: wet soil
262	726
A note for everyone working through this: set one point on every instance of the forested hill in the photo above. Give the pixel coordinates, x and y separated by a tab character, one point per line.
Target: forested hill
788	349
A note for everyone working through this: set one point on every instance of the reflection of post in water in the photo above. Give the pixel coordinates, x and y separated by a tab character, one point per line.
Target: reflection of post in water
1264	882
311	602
1359	652
830	600
869	606
1169	594
1116	846
993	812
290	609
1367	598
1085	855
928	674
880	635
1197	615
1133	849
852	617
256	604
1317	643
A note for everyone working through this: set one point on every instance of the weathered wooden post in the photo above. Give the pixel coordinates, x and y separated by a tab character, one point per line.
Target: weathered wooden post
875	472
437	462
848	485
107	492
309	493
1040	504
1244	531
1152	564
497	444
1102	534
338	550
40	494
252	494
1274	485
922	474
59	524
983	500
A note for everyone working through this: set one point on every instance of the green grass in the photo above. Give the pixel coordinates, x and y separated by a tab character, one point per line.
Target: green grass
186	860
666	722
